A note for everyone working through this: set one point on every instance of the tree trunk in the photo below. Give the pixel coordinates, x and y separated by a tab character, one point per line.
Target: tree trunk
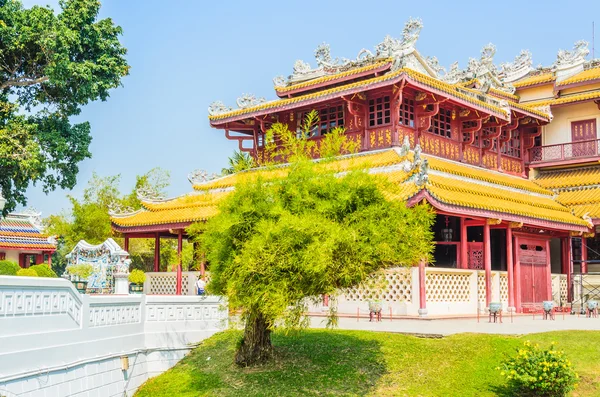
256	345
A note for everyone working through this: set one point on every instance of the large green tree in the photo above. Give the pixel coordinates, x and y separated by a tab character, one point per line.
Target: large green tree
50	66
276	243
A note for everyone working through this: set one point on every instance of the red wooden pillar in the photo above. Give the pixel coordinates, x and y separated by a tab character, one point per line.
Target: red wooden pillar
179	249
126	243
464	256
50	259
39	258
584	267
517	275
487	263
203	266
549	272
157	253
509	267
569	267
422	294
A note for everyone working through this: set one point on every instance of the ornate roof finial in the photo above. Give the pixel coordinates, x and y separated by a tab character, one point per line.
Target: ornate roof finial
218	107
279	81
566	59
200	176
248	100
511	71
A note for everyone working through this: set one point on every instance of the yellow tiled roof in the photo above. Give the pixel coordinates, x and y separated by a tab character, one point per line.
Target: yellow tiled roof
576	177
586	75
484	175
185	201
336	76
449	182
567	99
474	195
532	80
419	77
364	161
179	215
580	196
504	94
530	109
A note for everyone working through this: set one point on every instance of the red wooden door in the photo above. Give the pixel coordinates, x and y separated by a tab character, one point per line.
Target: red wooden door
584	130
534	272
475	252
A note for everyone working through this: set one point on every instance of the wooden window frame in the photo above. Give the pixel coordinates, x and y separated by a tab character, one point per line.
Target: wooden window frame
441	124
325	121
512	147
380	111
406	117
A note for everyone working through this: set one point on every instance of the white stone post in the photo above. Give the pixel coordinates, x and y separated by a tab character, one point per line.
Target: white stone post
121	283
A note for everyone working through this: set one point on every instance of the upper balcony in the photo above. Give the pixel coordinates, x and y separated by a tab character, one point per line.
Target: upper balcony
564	153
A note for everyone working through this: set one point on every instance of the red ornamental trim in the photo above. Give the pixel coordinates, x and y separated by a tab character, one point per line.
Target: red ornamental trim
34	247
164	227
423	194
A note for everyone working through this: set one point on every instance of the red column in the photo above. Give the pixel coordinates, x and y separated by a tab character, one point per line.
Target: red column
179	249
157	253
126	244
509	267
464	256
422	294
549	272
569	267
50	260
203	266
487	263
584	268
517	275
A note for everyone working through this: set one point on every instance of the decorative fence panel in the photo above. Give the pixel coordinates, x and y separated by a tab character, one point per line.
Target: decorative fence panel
441	286
165	283
395	288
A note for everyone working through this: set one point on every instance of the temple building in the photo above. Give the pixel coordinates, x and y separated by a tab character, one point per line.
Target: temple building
22	239
489	148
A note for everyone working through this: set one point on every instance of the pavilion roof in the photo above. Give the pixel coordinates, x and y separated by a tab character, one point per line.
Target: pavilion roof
586	75
448	185
577	188
543	78
23	231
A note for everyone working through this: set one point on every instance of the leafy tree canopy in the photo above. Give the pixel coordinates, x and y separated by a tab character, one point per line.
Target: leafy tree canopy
276	243
50	66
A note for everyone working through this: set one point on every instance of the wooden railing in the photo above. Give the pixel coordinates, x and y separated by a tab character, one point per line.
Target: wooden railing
564	151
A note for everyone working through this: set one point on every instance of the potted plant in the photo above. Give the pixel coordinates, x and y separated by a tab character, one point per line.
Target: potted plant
137	278
79	275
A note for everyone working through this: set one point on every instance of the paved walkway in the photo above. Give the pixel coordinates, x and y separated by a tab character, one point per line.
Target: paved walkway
521	325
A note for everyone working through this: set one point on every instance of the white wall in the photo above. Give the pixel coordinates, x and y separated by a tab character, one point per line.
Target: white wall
57	342
559	130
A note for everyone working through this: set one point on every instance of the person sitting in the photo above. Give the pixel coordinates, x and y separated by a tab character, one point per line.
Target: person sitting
201	285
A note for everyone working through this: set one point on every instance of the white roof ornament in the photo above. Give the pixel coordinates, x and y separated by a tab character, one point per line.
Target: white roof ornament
454	75
567	59
434	64
279	81
200	176
34	216
249	100
520	67
118	209
218	107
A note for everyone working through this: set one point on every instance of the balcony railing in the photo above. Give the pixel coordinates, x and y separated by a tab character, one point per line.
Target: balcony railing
564	151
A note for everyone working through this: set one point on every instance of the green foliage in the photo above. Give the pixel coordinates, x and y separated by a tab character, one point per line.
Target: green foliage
539	372
240	161
275	243
8	268
281	144
363	363
82	270
27	273
89	217
43	270
137	276
51	64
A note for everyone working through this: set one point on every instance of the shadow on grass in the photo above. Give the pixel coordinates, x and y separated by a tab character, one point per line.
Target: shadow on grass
311	362
502	391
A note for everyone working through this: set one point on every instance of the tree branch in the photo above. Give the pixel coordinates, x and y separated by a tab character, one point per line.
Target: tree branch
23	82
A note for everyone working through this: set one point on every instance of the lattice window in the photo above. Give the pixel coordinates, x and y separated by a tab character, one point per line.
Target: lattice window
447	287
397	289
512	147
407	113
503	287
486	141
329	118
481	295
380	111
166	284
564	288
441	123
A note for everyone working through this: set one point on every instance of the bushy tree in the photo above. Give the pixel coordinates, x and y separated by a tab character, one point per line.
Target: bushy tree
51	64
240	161
276	243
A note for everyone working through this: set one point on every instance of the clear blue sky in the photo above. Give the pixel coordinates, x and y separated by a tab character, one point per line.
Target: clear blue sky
186	54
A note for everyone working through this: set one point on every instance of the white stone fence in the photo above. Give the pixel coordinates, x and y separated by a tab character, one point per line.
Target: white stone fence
448	292
57	342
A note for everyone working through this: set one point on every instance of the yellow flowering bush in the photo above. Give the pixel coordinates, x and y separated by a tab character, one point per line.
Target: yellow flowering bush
539	372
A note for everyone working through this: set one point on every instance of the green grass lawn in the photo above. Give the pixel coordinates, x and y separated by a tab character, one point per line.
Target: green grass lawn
351	363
